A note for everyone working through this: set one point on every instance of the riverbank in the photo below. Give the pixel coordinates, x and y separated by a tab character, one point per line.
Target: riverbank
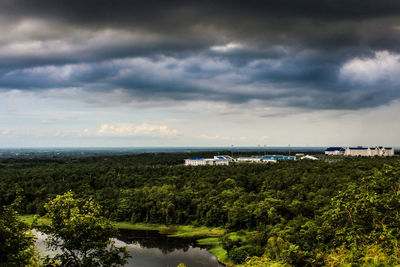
205	236
184	231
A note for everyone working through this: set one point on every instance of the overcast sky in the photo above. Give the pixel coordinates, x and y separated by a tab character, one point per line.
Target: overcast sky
199	73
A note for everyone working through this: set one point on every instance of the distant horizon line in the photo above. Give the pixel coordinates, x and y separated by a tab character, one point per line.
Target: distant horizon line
184	147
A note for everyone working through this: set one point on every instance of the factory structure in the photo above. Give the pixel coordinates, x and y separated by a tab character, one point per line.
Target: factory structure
378	151
272	158
217	160
226	160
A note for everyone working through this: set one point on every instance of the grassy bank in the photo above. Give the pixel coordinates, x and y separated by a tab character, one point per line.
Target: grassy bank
216	249
29	219
184	231
139	226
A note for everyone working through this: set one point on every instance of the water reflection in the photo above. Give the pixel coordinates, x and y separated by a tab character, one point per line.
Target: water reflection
151	249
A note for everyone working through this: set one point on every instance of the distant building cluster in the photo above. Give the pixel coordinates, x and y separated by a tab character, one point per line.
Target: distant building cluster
217	160
254	159
272	158
225	160
378	151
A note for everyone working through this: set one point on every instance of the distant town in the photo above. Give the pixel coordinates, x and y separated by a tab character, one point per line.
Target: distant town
378	151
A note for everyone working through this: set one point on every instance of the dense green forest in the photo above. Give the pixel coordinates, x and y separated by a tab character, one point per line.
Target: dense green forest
328	212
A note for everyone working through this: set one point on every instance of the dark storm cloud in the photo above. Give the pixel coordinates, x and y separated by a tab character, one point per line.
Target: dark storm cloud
285	53
318	23
97	11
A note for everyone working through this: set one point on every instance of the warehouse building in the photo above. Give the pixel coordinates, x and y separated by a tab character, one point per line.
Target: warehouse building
254	159
217	160
275	157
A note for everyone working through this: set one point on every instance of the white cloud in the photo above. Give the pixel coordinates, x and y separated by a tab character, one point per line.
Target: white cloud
383	67
226	48
128	129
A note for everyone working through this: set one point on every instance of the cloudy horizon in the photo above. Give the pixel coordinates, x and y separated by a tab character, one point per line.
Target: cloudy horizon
199	73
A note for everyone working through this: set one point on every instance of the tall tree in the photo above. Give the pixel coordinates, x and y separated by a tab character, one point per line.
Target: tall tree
82	235
16	243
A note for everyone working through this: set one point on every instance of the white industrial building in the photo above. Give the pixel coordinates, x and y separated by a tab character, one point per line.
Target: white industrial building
248	159
309	157
217	160
335	151
255	159
196	162
379	151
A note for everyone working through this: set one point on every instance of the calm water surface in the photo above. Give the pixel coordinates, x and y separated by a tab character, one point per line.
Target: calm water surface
151	249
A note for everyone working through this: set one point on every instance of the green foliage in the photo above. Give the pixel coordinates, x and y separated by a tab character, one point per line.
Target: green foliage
238	254
299	212
364	255
82	235
275	247
263	261
16	243
368	211
363	224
